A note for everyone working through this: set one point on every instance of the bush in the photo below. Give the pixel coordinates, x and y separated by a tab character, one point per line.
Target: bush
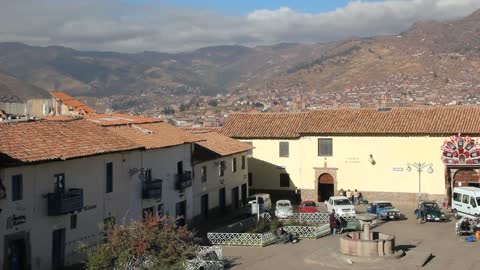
154	243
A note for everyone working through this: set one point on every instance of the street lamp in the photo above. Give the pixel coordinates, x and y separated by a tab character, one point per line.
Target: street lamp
420	166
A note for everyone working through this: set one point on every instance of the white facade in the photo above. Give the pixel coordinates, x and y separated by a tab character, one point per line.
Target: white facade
28	217
213	183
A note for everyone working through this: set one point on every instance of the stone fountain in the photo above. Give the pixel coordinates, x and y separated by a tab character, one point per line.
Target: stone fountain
367	243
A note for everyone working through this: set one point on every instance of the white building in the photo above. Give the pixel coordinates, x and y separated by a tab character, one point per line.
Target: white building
220	174
59	182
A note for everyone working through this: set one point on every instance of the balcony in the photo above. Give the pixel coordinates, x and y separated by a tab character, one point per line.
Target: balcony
152	189
62	203
184	181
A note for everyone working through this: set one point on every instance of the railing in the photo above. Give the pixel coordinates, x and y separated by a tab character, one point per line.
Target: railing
152	189
309	231
208	258
61	203
242	239
184	180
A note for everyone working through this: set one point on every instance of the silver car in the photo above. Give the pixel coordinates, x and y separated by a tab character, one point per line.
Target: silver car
283	209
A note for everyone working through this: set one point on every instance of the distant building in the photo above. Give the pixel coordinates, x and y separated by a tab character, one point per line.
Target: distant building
64	104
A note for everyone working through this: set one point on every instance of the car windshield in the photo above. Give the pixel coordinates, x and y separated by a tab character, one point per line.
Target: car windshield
384	205
312	204
342	202
478	200
431	206
283	204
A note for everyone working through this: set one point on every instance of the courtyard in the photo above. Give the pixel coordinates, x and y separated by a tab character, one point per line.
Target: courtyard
417	240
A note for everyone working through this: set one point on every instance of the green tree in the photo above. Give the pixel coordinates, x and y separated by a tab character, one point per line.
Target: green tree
153	243
213	102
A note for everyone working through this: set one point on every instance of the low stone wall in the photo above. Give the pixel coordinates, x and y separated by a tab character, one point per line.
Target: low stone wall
400	198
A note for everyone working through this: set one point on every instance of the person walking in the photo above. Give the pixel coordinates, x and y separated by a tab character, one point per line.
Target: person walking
333	222
349	194
340	192
355	197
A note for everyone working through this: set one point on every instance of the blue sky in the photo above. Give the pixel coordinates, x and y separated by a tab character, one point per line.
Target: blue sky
241	7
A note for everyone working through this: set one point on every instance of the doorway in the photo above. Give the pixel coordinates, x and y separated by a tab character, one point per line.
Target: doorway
235	197
222	199
58	249
17	252
204	206
244	194
181	212
325	187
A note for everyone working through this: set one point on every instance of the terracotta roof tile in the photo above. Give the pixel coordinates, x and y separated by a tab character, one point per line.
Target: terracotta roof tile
58	118
74	103
428	121
115	119
195	130
263	125
221	144
154	135
58	140
425	121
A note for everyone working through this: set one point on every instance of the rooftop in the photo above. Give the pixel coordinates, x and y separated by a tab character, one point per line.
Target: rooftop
37	141
115	119
221	144
74	103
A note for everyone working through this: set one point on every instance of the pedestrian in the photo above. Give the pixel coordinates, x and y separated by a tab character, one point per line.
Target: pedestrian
333	222
355	197
349	194
344	193
340	192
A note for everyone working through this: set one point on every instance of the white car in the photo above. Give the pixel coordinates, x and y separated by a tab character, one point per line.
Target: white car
283	209
342	206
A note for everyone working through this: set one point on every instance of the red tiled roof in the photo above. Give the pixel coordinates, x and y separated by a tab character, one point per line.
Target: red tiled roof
431	120
195	130
154	135
57	118
74	103
115	119
58	140
221	144
263	125
422	121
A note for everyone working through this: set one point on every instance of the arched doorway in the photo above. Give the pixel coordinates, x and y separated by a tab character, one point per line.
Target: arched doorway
325	187
466	177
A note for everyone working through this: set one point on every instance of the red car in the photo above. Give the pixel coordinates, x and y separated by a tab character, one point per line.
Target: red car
308	207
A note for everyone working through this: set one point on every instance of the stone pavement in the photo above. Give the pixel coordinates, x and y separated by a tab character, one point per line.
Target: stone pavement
449	251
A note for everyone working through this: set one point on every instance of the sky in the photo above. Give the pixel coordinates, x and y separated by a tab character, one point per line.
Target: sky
185	25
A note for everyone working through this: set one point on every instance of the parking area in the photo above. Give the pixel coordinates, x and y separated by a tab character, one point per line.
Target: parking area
417	240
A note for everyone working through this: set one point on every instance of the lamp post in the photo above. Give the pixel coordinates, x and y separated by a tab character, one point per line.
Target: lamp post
420	166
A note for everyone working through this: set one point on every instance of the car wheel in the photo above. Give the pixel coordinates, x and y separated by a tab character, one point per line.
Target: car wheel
455	214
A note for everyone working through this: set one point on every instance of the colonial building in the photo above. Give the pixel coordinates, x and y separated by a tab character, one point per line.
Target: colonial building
220	174
374	151
59	181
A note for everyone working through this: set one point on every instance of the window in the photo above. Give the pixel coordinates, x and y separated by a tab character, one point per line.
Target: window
59	183
73	222
250	152
472	202
160	210
109	178
284	180
234	165
204	174
325	148
465	199
17	188
221	168
250	179
283	149
457	197
243	162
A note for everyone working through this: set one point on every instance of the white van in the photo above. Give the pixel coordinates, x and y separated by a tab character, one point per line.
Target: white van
466	200
264	201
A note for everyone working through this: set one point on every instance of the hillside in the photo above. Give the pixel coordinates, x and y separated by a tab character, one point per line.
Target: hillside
14	90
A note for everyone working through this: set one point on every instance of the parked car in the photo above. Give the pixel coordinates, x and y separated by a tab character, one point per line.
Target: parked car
308	207
258	202
429	211
384	210
283	209
342	206
466	201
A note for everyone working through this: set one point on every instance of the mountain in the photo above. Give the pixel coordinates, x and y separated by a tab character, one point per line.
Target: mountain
433	56
14	90
204	71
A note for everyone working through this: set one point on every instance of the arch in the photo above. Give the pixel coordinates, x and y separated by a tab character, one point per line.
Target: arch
325	187
466	177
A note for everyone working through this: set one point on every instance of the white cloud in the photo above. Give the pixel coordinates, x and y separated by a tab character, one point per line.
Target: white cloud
114	25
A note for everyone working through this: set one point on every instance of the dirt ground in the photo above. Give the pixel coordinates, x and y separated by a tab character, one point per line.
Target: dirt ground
417	240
